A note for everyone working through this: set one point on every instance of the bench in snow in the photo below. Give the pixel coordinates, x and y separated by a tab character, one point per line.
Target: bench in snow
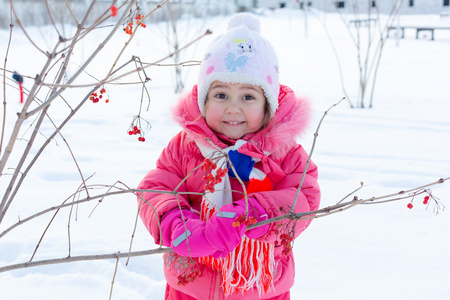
418	29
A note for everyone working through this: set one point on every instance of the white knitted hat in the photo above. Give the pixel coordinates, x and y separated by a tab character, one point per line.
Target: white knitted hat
241	55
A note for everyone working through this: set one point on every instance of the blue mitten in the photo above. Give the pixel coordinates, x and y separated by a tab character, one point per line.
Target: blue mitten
243	164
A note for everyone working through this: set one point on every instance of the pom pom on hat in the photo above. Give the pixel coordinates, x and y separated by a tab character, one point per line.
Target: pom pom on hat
245	20
241	55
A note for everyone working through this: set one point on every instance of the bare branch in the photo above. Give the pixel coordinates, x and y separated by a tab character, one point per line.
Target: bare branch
71	13
81	258
80	70
91	198
4	88
333	47
51	18
316	134
146	65
23	29
114	277
131	37
298	216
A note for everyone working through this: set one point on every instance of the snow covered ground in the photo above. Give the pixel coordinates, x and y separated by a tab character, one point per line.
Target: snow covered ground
384	251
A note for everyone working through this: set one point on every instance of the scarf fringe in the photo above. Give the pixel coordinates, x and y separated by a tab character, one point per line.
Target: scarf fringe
250	264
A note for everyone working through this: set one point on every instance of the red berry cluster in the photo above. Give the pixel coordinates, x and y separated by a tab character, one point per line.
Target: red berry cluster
425	202
209	179
137	127
286	242
287	237
135	130
208	164
241	220
95	98
129	28
184	279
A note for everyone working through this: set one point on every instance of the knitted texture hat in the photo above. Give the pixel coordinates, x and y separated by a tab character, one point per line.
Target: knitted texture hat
241	55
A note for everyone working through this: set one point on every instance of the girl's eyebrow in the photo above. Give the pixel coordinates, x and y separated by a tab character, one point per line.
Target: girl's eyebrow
250	87
244	87
218	86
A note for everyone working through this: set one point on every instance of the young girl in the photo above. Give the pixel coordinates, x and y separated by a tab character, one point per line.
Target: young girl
237	113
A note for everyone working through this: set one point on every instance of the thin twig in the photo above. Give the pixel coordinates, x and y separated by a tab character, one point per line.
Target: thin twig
336	55
132	36
342	206
146	65
79	71
4	86
135	227
23	29
82	258
114	277
351	193
71	13
316	134
88	199
51	18
244	189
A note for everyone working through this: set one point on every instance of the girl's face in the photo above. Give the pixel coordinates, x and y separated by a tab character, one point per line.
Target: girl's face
235	109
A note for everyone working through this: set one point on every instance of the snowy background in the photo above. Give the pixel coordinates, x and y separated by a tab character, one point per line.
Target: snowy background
384	251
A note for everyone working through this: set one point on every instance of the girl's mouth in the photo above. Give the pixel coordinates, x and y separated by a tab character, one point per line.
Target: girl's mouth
233	122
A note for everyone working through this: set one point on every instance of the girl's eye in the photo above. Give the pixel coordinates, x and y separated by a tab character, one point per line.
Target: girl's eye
248	97
221	96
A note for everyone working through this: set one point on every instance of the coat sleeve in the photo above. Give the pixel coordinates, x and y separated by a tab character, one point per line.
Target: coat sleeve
166	177
280	200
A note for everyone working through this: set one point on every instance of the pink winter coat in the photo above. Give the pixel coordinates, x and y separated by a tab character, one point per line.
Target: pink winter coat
284	166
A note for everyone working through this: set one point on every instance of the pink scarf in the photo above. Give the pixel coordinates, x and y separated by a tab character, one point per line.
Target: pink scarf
252	262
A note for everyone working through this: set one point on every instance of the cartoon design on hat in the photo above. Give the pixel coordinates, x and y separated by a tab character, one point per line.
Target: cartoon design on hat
240	52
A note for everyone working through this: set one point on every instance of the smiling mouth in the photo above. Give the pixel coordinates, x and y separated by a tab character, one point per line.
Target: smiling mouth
233	123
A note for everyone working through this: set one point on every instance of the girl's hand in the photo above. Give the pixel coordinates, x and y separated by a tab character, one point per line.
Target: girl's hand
226	227
185	233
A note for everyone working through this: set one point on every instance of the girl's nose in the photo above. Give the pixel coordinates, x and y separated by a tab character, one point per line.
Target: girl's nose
233	107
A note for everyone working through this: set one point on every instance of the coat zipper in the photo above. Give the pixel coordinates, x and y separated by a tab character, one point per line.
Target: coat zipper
215	286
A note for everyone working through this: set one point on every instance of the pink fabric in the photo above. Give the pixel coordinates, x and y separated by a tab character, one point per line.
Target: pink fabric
220	231
174	227
255	210
284	167
173	294
259	213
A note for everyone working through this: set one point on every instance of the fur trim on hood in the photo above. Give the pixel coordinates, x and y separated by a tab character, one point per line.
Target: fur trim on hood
279	137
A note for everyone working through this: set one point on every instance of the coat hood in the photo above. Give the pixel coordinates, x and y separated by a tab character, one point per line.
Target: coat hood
279	137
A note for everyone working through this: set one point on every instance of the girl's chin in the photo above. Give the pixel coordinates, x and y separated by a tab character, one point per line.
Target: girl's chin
234	136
